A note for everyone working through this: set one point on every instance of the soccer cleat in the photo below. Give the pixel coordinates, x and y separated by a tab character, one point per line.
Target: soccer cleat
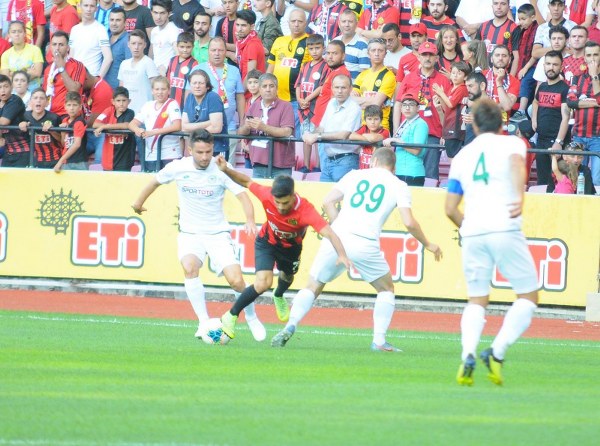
518	116
303	169
228	320
281	338
257	329
315	170
494	365
281	308
199	331
386	347
465	372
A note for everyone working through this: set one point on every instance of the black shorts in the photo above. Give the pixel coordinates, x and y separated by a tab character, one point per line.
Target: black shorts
20	159
267	255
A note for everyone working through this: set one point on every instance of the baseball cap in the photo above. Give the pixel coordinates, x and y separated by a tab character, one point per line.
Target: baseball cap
418	28
526	129
409	97
556	1
428	48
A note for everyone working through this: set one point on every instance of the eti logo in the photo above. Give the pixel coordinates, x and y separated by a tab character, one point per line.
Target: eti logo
550	259
3	235
404	254
107	241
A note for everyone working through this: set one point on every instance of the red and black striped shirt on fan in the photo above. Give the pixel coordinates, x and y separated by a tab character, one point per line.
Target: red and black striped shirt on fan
587	120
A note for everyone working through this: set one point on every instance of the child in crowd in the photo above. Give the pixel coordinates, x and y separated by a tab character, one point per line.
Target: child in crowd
371	131
48	145
566	176
308	87
74	155
180	67
254	90
475	54
12	112
450	108
118	151
163	38
136	73
267	27
160	116
20	82
576	159
522	58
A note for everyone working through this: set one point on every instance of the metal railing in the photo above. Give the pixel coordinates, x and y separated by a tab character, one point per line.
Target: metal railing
270	144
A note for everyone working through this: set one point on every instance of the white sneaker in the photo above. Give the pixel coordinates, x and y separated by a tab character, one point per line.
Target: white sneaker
257	329
199	331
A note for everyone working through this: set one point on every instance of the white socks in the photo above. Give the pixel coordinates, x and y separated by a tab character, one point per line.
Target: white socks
471	327
195	293
382	315
301	305
250	310
516	321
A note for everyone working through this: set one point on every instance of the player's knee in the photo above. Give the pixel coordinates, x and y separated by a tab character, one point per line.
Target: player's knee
263	284
191	267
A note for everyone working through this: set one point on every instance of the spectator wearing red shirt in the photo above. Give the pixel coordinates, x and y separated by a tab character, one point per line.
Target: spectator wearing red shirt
249	48
420	84
12	112
97	97
371	131
499	30
502	86
334	56
31	14
74	156
279	241
372	20
324	19
410	62
63	17
63	75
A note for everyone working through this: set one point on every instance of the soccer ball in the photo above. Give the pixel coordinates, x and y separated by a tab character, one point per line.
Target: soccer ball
212	332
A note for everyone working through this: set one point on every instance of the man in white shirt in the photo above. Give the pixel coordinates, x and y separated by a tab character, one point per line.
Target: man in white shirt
89	41
163	38
342	117
204	230
393	43
361	242
489	174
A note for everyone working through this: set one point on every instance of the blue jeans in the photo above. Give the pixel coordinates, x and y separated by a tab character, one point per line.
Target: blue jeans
260	171
431	160
297	131
592	145
335	169
528	84
94	145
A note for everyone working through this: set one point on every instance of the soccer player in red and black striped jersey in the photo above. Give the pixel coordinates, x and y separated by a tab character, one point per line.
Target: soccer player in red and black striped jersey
12	112
499	30
180	66
74	156
308	88
118	151
584	99
48	145
279	241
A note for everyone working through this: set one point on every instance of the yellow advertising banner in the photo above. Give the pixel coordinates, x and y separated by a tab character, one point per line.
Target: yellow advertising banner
80	225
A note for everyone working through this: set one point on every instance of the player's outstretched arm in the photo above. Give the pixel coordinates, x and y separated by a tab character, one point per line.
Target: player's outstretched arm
452	210
249	213
414	228
330	203
517	178
329	234
138	205
238	177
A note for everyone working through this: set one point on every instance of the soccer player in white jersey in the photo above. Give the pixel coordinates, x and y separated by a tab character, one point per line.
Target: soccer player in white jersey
489	175
203	229
369	197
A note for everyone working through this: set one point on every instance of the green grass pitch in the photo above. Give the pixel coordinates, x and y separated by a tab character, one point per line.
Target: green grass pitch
69	380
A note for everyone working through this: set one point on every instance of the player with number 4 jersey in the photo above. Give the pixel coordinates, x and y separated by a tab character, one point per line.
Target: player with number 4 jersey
369	198
489	174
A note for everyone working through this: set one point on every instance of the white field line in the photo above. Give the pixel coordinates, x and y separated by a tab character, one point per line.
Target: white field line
317	331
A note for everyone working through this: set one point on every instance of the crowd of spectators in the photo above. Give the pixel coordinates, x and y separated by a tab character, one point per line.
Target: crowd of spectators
377	71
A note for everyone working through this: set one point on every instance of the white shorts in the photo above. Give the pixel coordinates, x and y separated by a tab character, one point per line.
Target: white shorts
365	254
220	248
506	250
